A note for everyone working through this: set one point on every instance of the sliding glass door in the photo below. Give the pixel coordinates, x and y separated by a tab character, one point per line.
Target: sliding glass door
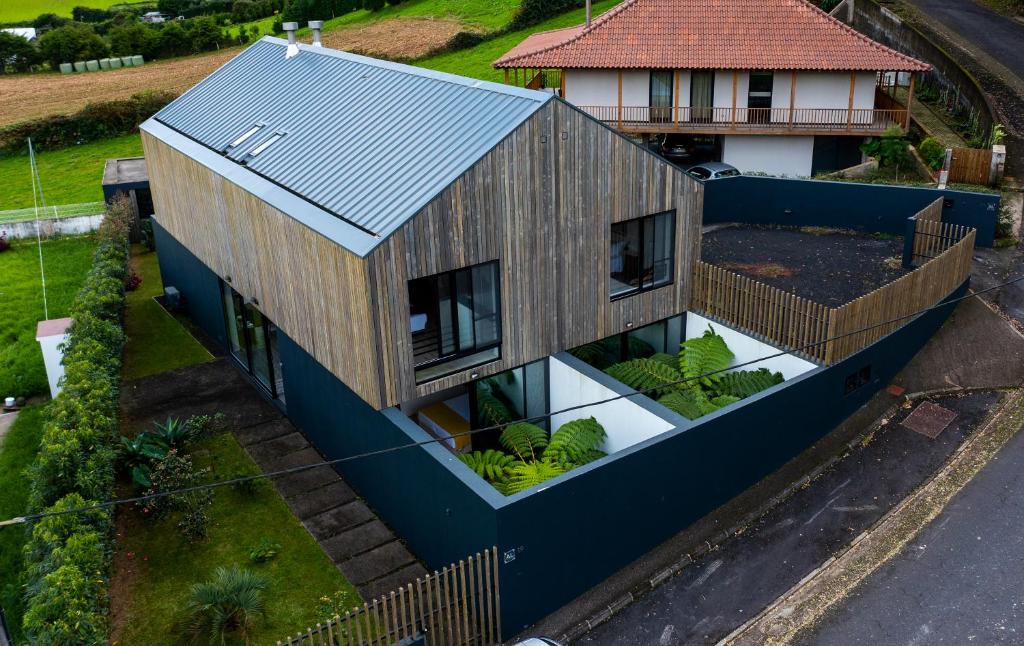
702	95
661	95
252	341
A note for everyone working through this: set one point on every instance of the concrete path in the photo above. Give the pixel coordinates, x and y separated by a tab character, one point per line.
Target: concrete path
360	545
958	582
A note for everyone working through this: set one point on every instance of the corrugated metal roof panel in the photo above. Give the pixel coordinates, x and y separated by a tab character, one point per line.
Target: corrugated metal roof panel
369	141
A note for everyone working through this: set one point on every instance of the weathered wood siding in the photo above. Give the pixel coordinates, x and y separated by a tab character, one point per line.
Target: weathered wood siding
542	203
313	289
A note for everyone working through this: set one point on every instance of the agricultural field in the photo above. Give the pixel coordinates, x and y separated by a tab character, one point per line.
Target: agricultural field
26	10
69	176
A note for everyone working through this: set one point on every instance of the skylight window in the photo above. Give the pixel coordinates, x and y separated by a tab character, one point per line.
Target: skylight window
245	135
266	144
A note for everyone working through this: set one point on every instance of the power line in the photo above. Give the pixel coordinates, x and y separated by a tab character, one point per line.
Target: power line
306	467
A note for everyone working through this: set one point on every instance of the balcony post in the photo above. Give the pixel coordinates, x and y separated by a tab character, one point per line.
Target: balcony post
735	75
792	97
506	76
675	100
910	99
849	105
619	110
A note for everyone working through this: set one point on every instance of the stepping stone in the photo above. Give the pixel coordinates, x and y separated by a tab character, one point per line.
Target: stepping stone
278	446
313	502
386	584
357	540
258	433
376	563
337	520
305	481
306	456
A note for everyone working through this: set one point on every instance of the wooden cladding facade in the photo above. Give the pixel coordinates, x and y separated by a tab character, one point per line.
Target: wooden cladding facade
541	203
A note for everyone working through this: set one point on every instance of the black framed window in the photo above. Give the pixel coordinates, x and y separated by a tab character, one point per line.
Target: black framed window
252	341
759	96
641	254
663	336
455	320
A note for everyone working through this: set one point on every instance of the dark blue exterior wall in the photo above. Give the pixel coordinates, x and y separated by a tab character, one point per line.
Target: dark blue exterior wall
869	207
574	531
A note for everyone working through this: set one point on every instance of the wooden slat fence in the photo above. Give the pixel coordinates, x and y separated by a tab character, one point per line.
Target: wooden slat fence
970	165
784	319
932	238
826	334
458	606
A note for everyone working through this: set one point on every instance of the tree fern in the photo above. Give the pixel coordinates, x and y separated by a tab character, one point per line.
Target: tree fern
523	475
704	354
574	442
526	440
722	401
669	360
491	409
645	375
491	465
685	402
744	383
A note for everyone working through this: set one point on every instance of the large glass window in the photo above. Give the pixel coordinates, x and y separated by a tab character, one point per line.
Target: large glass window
661	95
663	336
702	95
516	394
759	97
641	254
252	340
455	319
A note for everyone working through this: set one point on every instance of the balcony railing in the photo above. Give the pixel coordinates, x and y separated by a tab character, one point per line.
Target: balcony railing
728	119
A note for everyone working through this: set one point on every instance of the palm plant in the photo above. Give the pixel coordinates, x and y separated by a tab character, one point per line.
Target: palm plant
230	603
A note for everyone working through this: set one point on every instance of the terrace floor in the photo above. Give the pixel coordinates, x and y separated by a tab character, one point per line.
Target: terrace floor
827	266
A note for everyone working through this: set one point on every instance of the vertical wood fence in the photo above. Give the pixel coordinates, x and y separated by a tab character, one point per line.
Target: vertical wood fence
458	606
970	166
829	334
932	238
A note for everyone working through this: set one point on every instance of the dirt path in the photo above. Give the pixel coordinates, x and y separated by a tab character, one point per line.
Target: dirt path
24	97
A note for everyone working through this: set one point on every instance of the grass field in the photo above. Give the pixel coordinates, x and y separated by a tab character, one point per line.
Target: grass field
156	341
17	450
26	10
69	176
154	566
21	305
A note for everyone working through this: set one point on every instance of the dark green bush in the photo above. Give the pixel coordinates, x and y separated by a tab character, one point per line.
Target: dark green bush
68	555
134	38
94	121
16	53
932	152
72	42
532	12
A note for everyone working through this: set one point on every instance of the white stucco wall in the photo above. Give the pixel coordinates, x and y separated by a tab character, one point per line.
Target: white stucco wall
781	155
746	348
591	87
832	90
723	93
51	227
636	88
625	422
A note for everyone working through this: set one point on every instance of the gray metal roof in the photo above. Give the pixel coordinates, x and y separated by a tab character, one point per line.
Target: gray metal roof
368	141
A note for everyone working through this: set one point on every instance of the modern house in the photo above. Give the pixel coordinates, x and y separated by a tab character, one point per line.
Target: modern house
774	86
385	250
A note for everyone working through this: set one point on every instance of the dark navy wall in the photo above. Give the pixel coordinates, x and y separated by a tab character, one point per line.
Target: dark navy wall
868	207
574	534
196	282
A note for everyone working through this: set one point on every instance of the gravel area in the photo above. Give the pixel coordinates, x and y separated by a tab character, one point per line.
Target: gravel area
826	266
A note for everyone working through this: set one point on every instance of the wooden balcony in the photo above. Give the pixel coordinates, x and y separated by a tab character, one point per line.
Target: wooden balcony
760	121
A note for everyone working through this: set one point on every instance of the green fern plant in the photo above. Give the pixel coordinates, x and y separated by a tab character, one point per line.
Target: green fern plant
669	360
685	402
492	410
575	443
491	465
525	440
647	375
744	383
523	475
704	354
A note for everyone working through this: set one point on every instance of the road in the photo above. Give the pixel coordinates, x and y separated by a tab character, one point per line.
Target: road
958	582
999	37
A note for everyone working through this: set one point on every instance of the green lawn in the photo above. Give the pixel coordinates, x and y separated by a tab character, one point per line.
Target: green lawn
157	342
486	15
26	10
69	176
164	565
66	261
17	450
476	61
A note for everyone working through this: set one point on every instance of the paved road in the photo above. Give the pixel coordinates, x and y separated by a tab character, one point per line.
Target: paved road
710	598
997	35
959	582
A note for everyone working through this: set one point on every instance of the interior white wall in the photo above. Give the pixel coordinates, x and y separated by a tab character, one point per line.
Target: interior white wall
625	422
746	348
789	156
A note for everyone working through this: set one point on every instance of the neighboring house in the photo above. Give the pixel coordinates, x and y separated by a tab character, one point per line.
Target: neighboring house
765	85
153	17
28	33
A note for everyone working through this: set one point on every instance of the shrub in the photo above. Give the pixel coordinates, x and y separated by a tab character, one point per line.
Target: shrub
263	551
132	281
88	14
200	427
532	12
229	604
172	472
16	53
134	38
67	555
72	42
204	34
890	149
933	153
173	41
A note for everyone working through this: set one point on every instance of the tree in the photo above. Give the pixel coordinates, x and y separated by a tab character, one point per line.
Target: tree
173	41
373	5
204	33
70	43
88	14
16	53
47	21
134	38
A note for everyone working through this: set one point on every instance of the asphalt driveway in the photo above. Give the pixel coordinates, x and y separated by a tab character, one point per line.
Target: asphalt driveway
998	36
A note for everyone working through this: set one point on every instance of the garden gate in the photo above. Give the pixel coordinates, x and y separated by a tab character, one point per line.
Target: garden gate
458	606
970	166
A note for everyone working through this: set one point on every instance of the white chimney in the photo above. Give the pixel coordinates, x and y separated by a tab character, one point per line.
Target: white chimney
316	25
293	48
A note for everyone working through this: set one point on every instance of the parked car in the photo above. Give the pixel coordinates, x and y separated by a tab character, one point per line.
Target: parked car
713	170
537	641
687	148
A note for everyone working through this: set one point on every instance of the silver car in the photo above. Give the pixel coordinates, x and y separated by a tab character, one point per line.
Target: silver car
712	170
537	641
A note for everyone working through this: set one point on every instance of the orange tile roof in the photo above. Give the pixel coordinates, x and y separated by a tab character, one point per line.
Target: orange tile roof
710	34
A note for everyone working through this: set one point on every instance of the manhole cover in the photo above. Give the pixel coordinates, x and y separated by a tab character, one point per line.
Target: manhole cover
929	419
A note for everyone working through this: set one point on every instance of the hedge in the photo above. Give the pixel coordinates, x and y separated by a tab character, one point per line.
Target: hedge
94	121
532	12
68	556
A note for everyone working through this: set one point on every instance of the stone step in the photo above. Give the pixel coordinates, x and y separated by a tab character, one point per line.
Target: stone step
311	503
377	563
335	521
363	538
305	481
278	446
392	581
251	435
